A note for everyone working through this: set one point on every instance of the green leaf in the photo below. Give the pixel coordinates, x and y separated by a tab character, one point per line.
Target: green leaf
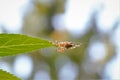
12	44
7	76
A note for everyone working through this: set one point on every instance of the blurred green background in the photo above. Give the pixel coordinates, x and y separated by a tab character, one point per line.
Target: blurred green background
94	23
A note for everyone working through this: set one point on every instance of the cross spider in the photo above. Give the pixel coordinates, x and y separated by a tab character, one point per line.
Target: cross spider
65	45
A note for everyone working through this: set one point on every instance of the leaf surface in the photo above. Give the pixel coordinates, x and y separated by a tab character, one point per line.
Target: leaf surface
7	76
12	44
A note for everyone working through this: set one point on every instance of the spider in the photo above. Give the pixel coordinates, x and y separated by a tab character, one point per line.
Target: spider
62	46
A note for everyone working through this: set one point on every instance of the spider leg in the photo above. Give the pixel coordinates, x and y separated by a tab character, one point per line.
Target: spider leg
62	49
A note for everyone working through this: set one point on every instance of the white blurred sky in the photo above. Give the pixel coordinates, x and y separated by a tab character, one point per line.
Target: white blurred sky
11	14
76	16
